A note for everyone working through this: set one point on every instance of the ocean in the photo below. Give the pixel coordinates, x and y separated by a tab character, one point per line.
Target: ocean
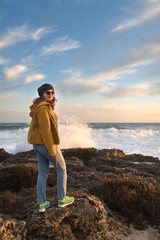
140	138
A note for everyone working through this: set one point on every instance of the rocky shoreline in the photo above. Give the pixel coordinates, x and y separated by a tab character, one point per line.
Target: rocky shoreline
114	194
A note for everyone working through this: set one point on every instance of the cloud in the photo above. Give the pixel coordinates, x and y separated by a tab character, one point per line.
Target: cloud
154	88
94	80
74	86
143	55
7	86
7	95
111	112
23	33
77	105
14	72
106	76
68	71
127	92
77	85
145	89
30	60
147	52
151	10
32	78
38	34
14	115
3	61
60	45
123	113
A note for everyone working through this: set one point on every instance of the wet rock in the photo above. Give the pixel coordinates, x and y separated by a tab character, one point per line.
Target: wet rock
12	229
4	155
141	158
85	219
89	217
17	176
19	160
112	152
82	153
27	154
74	163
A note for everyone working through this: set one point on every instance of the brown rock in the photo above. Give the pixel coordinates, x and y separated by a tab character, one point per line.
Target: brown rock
85	219
16	176
4	154
12	229
82	153
141	158
112	152
88	218
30	153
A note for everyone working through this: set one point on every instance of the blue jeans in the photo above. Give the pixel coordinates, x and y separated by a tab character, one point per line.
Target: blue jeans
44	158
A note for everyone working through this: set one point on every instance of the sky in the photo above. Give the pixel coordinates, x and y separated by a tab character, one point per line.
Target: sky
101	56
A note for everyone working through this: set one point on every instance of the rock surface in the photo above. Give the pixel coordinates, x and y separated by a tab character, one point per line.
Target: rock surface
85	219
12	229
89	217
4	154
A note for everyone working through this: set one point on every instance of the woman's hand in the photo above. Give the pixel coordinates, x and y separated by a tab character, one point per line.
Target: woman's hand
53	154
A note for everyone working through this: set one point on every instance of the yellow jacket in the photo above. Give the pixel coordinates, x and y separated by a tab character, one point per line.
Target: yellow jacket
43	128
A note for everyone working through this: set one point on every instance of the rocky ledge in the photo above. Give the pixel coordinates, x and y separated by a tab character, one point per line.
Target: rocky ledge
114	193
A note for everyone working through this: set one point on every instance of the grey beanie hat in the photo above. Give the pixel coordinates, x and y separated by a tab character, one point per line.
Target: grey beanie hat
42	89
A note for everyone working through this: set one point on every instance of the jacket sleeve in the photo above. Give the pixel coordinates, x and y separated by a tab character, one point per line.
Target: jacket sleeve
46	130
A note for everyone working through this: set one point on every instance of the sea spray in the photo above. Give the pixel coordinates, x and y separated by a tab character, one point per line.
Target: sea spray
74	133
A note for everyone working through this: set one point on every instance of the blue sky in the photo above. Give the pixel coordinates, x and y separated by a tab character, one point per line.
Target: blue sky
102	57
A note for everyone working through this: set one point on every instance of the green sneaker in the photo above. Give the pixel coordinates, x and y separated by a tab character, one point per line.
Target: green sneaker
42	207
66	202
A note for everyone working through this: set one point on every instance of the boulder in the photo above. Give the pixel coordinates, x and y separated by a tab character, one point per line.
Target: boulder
83	153
85	219
4	154
16	176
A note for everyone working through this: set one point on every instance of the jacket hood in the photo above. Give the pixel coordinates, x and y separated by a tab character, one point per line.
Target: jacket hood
34	107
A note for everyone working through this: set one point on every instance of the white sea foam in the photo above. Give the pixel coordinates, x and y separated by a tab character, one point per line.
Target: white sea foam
15	141
140	141
74	133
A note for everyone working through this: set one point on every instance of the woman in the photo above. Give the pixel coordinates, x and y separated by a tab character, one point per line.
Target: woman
43	134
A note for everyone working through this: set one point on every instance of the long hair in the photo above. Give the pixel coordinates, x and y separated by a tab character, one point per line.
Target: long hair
41	99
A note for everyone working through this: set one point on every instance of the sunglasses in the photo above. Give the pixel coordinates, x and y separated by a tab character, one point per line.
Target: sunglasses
51	92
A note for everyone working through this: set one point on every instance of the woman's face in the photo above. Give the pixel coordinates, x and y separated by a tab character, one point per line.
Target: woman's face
48	95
